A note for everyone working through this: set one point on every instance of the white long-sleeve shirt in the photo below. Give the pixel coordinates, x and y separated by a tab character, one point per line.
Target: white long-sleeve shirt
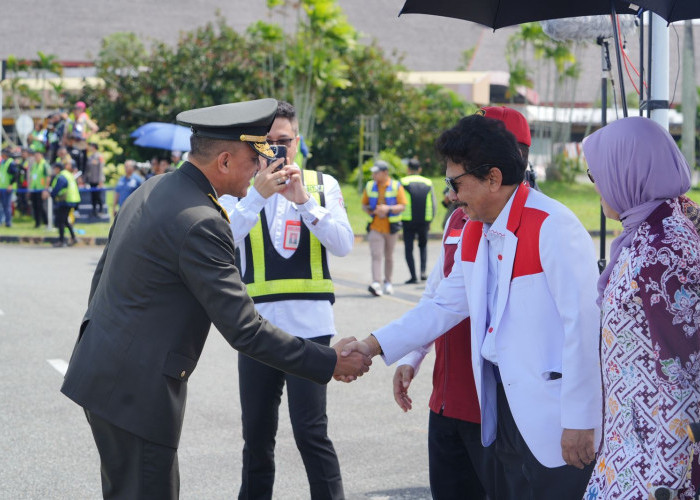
303	318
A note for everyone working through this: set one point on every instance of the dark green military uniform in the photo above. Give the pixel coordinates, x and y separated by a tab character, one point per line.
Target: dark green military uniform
166	273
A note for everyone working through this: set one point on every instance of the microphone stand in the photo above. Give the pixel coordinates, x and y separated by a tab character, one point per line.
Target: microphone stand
616	39
607	67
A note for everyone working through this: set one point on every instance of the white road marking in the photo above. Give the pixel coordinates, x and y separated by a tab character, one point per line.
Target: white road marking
1	313
60	365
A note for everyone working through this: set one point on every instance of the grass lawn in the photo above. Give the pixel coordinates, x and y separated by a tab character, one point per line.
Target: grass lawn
581	198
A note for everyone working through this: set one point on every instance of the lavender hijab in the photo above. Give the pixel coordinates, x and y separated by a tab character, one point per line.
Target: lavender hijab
636	166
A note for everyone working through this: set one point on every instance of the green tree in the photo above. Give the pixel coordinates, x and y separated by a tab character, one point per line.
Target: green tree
466	59
313	55
410	119
209	65
555	60
213	64
44	65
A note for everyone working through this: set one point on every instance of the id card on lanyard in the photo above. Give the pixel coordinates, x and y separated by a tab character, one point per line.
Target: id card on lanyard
292	234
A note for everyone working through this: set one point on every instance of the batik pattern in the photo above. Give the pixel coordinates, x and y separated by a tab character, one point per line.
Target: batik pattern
650	358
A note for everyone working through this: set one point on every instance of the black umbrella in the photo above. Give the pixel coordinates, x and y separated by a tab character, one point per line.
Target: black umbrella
501	13
672	10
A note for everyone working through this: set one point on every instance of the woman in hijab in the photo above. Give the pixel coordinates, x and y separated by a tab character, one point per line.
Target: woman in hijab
650	299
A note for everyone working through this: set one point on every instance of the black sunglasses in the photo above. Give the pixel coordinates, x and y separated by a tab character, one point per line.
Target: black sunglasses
450	181
590	175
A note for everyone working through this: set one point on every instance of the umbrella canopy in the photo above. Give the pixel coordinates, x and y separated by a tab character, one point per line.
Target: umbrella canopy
146	127
164	136
500	13
672	10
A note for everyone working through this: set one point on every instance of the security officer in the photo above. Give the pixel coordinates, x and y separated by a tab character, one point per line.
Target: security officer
166	273
284	237
416	218
8	183
383	199
66	196
39	173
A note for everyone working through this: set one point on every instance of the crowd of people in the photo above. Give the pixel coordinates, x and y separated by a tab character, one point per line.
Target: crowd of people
64	144
550	381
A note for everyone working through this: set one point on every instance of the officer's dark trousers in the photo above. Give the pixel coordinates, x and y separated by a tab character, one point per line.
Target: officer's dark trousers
131	467
460	467
412	230
38	209
261	391
5	207
96	198
62	222
522	476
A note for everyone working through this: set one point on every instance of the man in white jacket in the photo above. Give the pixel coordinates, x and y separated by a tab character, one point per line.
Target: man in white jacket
525	274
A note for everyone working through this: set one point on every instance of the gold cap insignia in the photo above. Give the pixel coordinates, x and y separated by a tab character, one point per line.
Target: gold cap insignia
259	144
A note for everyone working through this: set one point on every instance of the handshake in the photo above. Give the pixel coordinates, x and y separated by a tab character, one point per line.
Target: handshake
354	357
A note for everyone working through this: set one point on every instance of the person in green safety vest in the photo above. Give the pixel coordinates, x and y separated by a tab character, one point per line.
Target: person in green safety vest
416	218
176	160
8	183
64	191
39	174
21	198
383	199
38	138
283	229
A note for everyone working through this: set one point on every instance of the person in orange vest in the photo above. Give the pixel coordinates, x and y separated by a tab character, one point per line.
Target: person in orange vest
383	199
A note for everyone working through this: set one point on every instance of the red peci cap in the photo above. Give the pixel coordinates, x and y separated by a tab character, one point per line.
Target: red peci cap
514	121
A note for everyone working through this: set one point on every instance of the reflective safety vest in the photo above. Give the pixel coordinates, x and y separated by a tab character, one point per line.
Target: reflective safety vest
6	177
38	175
419	192
69	194
390	194
269	277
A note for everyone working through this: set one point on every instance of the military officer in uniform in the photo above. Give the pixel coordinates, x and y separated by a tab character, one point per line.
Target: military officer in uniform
166	273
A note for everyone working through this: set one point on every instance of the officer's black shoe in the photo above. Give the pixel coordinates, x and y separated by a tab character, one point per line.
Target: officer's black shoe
412	281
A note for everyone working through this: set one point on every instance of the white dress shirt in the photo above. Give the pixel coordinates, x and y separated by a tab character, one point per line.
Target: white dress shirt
302	318
495	235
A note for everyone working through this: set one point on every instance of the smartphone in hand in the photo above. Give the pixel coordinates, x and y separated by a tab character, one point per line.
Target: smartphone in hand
280	152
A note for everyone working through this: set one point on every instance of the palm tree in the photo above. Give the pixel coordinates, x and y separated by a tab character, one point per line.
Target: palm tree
42	66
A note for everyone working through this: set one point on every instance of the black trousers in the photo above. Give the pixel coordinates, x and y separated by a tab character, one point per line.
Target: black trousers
460	467
62	213
261	392
38	209
412	230
131	467
522	476
96	198
80	158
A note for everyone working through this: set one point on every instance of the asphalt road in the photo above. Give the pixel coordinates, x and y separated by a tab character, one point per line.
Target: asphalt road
47	448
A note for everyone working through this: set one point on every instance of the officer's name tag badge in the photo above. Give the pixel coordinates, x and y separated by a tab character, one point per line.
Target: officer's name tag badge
314	188
292	234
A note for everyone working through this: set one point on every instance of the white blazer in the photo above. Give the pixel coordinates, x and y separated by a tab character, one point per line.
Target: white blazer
546	320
